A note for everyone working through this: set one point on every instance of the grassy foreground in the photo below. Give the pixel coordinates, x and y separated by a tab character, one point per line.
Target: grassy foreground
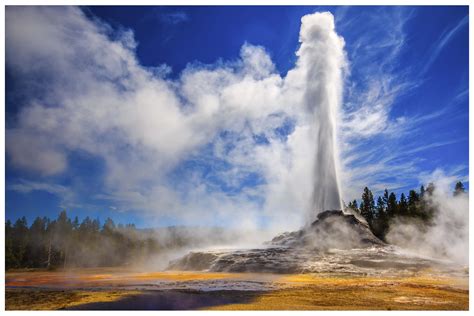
362	293
45	299
40	291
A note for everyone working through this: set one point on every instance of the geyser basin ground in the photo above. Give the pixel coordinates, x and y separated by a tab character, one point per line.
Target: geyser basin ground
337	242
121	289
295	271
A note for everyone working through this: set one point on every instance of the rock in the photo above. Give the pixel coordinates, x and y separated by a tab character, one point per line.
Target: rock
194	261
332	229
290	252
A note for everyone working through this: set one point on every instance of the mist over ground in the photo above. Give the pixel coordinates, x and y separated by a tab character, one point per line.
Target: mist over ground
448	235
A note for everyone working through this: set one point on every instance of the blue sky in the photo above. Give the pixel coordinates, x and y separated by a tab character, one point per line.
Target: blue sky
75	141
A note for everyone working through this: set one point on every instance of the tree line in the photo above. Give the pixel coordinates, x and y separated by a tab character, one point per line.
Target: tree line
65	242
381	212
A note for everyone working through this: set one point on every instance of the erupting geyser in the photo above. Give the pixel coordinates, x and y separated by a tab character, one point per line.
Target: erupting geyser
336	241
321	59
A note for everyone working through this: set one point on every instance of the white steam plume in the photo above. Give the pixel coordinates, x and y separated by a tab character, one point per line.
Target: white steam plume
321	56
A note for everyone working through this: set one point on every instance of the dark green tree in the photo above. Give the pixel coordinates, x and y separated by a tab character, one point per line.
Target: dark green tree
459	189
109	225
380	224
380	206
353	205
392	205
10	255
36	250
385	197
367	208
75	223
413	203
63	236
20	241
422	192
403	205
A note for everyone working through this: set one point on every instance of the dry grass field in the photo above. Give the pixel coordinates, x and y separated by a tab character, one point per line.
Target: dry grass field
125	289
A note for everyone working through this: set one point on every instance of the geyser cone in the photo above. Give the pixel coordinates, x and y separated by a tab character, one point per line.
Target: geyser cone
321	57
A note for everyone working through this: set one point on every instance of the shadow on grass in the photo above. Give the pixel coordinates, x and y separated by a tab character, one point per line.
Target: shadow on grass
172	300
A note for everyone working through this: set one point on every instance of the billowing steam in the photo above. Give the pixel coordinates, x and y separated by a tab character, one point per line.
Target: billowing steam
448	236
96	98
322	58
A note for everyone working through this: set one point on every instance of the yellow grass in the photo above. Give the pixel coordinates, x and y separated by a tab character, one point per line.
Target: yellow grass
27	299
183	276
313	292
98	277
295	292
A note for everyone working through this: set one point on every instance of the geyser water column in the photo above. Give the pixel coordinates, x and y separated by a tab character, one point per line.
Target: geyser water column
321	61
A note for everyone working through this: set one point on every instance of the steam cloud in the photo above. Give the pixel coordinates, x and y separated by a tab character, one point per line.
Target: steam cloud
94	97
448	237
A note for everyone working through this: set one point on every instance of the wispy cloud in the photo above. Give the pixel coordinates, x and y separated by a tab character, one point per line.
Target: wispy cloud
25	186
375	79
174	18
377	147
442	42
369	131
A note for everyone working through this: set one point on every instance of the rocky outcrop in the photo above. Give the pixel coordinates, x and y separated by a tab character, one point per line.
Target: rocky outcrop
292	252
332	229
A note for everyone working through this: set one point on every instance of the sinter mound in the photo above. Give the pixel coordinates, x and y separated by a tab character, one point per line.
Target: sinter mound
332	229
336	240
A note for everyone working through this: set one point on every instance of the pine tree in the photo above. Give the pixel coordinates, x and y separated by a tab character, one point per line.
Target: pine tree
36	252
422	205
422	192
380	227
353	206
109	225
75	223
403	205
10	256
64	231
392	205
459	189
385	197
380	207
413	203
20	241
367	208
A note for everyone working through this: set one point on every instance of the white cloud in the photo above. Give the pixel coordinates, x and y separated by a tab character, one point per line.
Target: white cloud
96	98
377	145
36	154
